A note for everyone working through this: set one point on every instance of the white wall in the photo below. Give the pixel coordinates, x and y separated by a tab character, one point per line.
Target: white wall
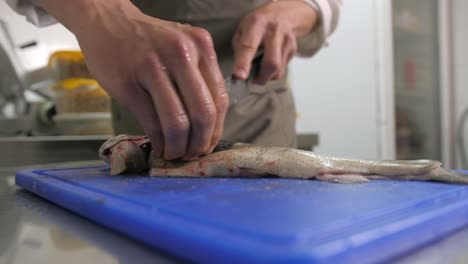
460	52
336	91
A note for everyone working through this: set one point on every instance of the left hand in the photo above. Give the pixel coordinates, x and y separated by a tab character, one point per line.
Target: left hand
275	26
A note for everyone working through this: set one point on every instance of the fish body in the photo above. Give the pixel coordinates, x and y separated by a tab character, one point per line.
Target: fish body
247	160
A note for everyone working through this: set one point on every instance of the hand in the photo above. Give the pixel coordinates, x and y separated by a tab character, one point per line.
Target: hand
275	26
165	73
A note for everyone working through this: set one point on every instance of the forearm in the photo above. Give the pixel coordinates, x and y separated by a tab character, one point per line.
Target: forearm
79	15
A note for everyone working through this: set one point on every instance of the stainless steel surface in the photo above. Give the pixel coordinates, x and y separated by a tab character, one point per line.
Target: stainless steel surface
34	230
18	151
237	89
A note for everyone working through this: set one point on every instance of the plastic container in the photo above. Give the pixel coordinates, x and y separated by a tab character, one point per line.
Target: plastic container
81	95
68	64
83	108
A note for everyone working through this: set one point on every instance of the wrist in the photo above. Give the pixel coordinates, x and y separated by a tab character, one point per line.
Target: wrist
305	16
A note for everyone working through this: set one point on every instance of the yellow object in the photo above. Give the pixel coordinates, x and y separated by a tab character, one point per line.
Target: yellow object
70	55
78	95
68	64
74	83
83	107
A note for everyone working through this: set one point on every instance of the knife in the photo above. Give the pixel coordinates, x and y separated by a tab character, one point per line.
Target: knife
238	89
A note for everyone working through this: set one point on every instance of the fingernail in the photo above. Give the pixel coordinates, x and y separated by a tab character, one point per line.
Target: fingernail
241	74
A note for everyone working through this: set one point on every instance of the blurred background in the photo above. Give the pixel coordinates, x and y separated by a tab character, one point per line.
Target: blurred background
391	83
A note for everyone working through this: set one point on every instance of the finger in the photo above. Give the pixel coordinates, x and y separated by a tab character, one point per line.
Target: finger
288	51
174	120
199	104
246	42
211	73
209	69
142	107
272	59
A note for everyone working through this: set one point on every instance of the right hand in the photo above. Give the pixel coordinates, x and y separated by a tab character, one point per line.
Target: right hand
164	72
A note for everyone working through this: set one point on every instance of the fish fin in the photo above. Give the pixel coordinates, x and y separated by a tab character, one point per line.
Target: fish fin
342	178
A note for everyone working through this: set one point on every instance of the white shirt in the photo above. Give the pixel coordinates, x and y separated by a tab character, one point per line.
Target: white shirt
328	15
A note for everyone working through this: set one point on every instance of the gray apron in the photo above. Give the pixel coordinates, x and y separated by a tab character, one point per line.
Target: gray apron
267	115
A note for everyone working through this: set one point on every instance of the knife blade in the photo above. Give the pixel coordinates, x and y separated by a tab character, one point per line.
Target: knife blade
238	89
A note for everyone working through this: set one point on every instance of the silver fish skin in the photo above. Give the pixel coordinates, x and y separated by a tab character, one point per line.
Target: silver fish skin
246	160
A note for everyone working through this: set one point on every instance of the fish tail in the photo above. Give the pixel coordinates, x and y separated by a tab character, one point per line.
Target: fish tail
444	175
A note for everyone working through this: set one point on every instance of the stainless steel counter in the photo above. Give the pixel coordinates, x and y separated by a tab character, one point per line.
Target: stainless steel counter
20	151
34	230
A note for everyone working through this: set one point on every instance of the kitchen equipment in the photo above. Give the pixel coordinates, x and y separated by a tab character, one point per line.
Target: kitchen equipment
12	85
219	220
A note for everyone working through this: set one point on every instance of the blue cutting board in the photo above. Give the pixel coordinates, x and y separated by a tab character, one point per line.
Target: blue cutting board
221	220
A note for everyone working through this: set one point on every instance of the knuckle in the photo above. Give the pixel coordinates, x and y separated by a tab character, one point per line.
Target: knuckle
179	125
273	26
206	117
256	19
151	61
180	45
222	100
203	37
272	65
